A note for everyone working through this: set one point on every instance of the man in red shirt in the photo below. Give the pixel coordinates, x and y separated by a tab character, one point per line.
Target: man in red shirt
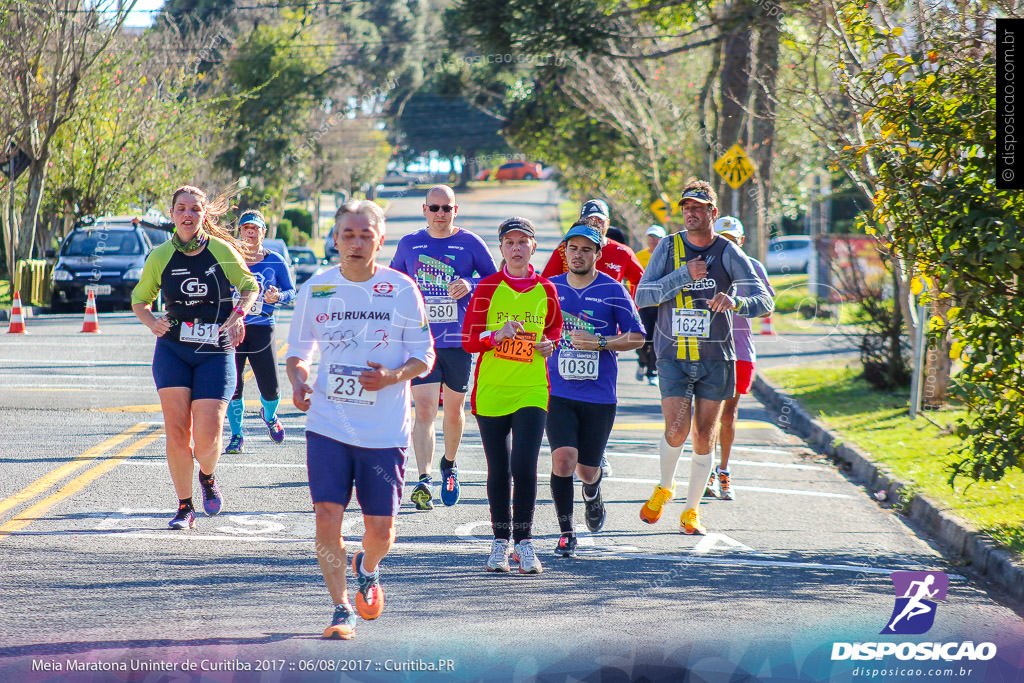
617	260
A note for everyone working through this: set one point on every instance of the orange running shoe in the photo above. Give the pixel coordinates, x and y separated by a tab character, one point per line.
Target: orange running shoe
370	596
343	625
689	523
651	511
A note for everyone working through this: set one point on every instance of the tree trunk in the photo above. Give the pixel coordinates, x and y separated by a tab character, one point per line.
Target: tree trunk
937	364
30	211
762	128
734	82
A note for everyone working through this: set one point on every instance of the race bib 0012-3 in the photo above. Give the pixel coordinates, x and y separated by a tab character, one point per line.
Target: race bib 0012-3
518	348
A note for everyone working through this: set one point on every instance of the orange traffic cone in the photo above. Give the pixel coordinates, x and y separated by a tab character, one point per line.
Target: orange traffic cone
766	326
17	325
91	322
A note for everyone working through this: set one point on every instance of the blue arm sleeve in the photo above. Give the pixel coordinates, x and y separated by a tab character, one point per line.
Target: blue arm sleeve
285	284
483	263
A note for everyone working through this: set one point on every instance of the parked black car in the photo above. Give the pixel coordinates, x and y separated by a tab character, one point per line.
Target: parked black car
105	256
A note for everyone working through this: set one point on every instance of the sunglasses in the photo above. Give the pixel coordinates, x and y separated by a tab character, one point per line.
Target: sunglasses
434	208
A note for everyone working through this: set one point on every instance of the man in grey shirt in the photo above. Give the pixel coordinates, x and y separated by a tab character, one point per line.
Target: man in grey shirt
689	278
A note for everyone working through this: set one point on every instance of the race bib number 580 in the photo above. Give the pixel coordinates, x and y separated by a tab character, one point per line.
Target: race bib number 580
343	385
691	322
442	309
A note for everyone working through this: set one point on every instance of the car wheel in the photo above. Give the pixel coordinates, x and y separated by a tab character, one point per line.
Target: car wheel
527	176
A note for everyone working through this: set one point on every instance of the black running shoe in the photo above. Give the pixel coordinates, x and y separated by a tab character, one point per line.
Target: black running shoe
594	513
566	546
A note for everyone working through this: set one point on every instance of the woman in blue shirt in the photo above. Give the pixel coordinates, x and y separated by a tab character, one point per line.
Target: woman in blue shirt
258	347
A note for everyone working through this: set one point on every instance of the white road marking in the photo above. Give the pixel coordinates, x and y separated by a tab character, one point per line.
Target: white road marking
51	361
626	480
250	527
718	542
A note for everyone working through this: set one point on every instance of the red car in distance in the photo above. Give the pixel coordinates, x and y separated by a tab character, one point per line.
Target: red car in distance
514	170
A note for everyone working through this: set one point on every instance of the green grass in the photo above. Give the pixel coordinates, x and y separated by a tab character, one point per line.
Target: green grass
915	451
568	212
5	292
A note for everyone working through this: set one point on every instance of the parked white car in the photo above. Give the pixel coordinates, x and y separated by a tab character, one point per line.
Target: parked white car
790	254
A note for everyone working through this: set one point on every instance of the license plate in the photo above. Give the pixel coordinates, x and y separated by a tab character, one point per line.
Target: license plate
97	290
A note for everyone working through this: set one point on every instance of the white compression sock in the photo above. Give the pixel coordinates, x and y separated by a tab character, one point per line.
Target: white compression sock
700	470
669	460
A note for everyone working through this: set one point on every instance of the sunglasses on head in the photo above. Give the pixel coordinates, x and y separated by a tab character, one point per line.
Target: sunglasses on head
434	208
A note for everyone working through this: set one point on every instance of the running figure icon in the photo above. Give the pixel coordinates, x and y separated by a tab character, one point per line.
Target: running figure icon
915	606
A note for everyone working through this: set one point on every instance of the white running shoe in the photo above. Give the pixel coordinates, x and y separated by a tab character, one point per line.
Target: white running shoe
606	468
529	563
498	561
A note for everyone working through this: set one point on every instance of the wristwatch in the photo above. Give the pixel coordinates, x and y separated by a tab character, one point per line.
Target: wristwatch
601	341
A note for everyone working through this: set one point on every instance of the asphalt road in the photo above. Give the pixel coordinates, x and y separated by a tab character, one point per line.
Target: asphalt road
90	575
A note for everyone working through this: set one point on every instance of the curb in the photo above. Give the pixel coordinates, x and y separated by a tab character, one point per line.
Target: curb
27	311
959	542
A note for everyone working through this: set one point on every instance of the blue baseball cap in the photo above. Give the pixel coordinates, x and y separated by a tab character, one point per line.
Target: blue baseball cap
250	218
590	233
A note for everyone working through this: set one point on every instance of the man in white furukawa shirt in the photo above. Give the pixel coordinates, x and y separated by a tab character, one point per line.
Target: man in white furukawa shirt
371	327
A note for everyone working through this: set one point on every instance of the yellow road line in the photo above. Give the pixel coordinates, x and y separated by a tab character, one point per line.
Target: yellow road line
75	485
660	425
151	408
47	480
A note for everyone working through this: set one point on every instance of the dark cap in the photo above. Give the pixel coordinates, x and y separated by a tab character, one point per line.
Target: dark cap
516	223
697	195
594	207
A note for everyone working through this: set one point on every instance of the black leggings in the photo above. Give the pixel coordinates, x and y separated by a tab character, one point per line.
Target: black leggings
512	448
258	346
647	357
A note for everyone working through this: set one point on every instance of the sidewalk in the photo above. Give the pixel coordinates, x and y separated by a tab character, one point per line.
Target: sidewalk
958	541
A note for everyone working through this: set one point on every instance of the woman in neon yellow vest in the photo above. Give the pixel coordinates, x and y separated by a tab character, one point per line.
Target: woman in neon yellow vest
513	322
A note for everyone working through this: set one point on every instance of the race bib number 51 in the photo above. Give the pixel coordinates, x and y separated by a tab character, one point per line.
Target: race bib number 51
691	322
518	348
343	385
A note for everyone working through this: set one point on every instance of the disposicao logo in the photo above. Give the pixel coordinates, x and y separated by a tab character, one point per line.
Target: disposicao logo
916	593
914	614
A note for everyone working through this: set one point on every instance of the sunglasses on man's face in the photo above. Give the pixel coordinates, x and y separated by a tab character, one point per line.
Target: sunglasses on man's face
434	208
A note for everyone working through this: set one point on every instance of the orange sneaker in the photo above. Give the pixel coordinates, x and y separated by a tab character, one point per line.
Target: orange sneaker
651	511
370	596
343	625
689	523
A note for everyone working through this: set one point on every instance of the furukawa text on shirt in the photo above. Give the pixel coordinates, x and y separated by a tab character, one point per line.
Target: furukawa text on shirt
337	316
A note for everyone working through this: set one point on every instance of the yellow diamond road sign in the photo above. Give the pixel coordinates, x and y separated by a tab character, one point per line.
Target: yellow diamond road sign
735	167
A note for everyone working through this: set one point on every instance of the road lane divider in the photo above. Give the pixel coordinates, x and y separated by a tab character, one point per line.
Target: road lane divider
49	479
75	485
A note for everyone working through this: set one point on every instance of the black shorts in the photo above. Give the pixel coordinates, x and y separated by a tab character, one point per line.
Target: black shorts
580	425
451	368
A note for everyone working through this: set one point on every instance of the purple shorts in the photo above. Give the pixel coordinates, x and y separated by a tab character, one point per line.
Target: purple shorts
378	474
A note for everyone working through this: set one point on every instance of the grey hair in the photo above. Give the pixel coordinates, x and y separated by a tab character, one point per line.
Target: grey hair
371	210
